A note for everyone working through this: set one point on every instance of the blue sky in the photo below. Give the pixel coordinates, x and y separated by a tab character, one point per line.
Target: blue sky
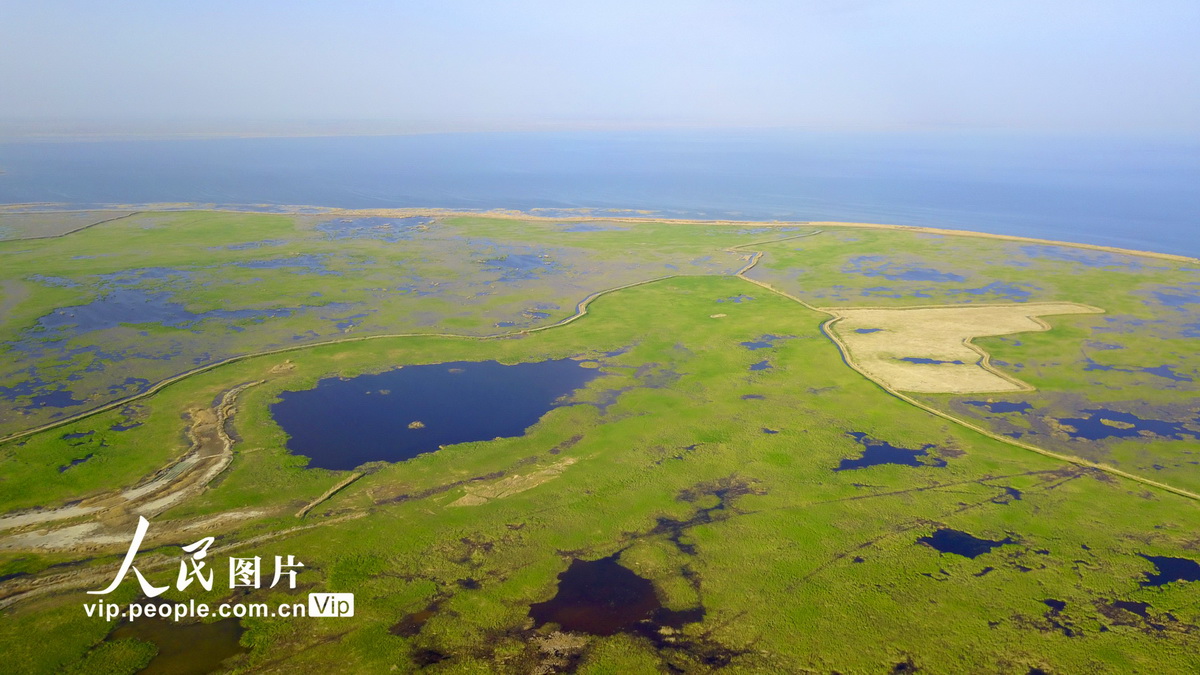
1095	65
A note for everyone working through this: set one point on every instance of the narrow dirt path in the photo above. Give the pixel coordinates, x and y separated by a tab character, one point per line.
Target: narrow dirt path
122	215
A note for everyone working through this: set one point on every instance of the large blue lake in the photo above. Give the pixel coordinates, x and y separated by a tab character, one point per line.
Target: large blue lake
1138	193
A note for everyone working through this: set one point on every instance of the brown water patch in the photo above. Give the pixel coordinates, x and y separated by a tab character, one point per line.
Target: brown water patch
412	624
184	648
1138	615
601	597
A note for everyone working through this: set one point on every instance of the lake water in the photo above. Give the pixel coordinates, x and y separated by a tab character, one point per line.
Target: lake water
399	414
1137	193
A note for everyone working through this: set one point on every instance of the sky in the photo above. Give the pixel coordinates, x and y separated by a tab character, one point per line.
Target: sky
444	65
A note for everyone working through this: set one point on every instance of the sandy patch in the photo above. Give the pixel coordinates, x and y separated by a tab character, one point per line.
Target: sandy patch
929	349
505	487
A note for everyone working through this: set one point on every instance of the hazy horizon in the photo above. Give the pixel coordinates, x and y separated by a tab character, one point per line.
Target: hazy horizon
273	68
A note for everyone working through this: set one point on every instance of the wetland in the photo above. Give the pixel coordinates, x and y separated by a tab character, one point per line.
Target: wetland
596	445
396	415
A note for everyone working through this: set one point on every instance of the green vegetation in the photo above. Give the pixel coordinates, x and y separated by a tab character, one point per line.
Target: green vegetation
799	568
192	288
1138	358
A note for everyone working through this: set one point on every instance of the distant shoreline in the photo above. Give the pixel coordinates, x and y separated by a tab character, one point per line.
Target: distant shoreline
585	215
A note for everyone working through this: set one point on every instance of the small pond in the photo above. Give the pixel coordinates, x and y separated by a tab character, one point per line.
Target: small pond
602	597
1001	407
876	452
1102	423
961	543
929	362
184	648
1171	569
765	342
397	415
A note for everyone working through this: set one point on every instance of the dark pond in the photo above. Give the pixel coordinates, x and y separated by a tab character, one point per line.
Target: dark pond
764	342
761	365
929	362
1001	406
867	330
961	543
411	624
736	299
75	462
1142	609
397	415
880	452
1171	569
1103	423
184	648
601	597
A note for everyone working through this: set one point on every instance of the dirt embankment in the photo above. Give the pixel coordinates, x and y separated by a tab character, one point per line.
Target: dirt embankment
110	515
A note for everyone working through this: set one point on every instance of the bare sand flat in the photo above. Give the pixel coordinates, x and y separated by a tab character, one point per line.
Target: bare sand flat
929	349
